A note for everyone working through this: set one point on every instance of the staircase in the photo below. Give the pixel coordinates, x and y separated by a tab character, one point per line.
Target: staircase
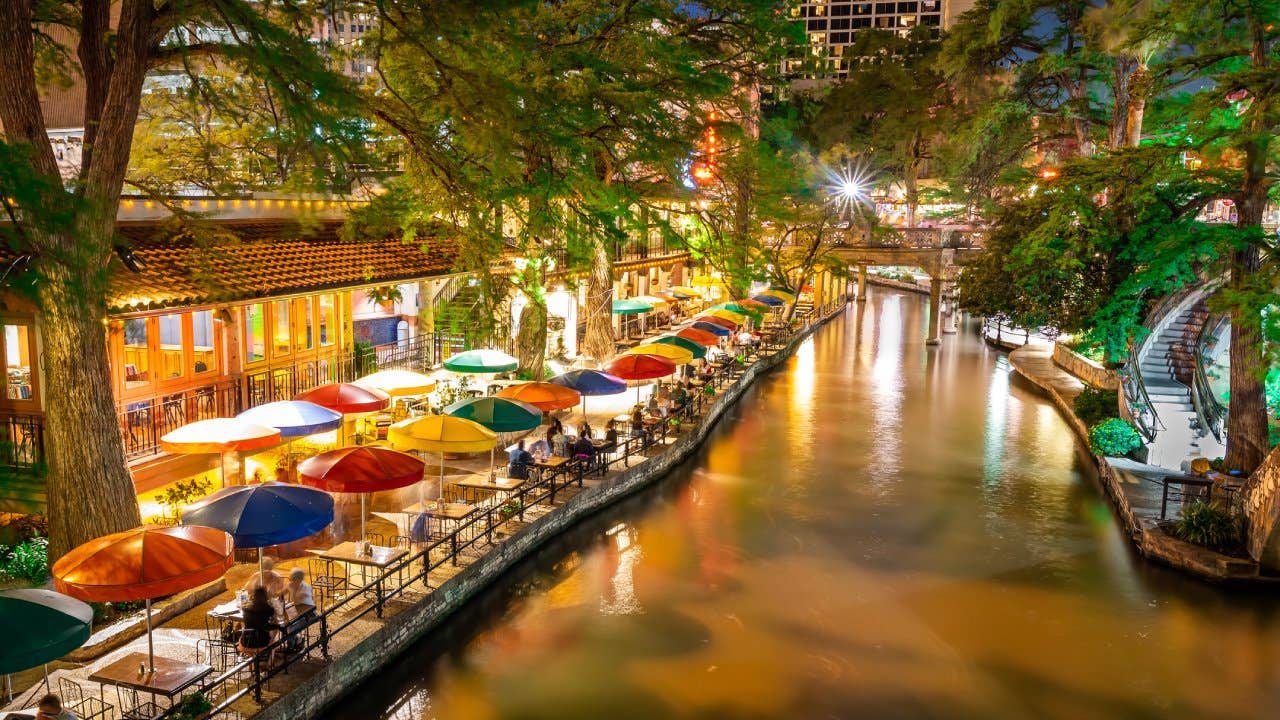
22	492
454	314
1168	366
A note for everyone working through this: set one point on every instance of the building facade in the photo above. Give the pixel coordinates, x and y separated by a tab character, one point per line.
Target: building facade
831	25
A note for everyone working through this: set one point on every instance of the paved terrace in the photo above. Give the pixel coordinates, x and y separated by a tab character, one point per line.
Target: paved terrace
241	687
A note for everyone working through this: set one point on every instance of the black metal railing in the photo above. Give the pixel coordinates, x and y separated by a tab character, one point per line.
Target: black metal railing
22	441
144	422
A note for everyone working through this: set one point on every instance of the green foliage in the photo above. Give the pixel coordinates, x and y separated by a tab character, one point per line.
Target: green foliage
26	562
183	493
192	707
1094	405
363	357
1114	438
1210	525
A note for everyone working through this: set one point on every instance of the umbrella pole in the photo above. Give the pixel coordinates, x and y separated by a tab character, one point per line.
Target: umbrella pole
8	688
262	579
492	474
151	646
362	531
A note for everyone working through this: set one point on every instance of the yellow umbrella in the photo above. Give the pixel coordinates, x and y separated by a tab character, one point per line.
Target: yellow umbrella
674	353
651	299
441	434
783	295
706	281
729	315
398	383
685	290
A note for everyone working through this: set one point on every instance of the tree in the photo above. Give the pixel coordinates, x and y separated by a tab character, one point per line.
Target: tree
89	490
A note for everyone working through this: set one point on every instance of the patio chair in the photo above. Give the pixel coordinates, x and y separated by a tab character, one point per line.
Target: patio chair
327	584
85	707
133	707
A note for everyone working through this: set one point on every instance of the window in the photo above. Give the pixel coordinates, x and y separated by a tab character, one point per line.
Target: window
203	357
817	25
302	336
255	332
137	353
17	362
171	361
327	320
280	328
840	10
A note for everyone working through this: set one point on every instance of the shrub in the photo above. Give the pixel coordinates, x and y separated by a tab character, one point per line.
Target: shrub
26	562
1114	438
1211	526
1093	406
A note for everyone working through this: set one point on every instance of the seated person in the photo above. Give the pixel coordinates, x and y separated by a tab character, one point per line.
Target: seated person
583	449
540	450
50	708
267	578
297	592
680	397
559	442
518	461
611	434
584	430
260	622
637	423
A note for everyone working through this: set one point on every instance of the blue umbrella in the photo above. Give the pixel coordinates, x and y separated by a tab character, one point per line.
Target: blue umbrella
590	382
293	418
266	514
769	300
712	328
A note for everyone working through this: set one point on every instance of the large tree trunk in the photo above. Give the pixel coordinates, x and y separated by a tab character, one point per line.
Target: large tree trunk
1139	88
89	489
598	343
531	339
1247	434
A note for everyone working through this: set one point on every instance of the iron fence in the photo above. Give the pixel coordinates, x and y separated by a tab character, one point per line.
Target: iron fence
144	422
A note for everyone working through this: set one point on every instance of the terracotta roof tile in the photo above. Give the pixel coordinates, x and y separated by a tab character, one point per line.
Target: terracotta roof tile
258	260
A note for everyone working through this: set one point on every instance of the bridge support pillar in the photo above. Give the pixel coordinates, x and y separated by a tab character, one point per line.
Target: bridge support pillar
935	312
949	320
862	283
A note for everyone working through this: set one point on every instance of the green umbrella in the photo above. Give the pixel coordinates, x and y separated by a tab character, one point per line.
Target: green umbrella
43	626
743	309
698	351
630	307
481	361
497	413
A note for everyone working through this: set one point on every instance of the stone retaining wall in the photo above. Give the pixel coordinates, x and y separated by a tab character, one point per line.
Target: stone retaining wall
1263	511
873	279
1093	374
398	633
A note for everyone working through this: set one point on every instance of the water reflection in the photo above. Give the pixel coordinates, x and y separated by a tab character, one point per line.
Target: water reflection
882	530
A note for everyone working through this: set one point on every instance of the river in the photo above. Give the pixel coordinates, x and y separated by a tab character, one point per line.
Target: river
879	529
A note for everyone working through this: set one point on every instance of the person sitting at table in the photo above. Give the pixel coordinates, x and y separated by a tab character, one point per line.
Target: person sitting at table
584	430
637	423
680	397
260	622
50	708
559	442
540	449
611	434
518	461
267	578
583	450
298	594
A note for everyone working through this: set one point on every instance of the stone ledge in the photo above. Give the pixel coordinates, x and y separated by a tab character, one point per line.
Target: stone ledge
1090	372
873	279
399	632
116	635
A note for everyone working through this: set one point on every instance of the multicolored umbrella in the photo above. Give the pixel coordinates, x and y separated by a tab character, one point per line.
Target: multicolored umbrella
443	434
725	313
219	435
347	398
651	300
630	306
705	338
699	352
481	361
770	300
752	304
784	294
546	396
725	322
42	626
739	308
398	383
590	382
363	470
711	325
499	414
144	563
293	418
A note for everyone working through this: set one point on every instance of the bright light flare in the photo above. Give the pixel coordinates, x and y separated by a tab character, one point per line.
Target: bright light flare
849	187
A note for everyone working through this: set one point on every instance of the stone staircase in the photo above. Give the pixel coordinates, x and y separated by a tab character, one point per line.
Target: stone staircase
22	492
1167	366
454	316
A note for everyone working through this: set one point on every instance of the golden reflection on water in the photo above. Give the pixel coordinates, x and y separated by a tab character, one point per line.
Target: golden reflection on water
940	554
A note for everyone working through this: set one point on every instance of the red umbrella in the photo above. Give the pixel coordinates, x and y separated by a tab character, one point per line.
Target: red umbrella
717	320
347	398
363	469
640	367
702	337
143	563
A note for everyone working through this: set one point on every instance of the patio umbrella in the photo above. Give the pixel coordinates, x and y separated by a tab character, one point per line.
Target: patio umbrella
684	293
43	626
590	382
722	312
724	322
740	309
398	383
715	328
666	295
698	351
481	361
770	300
144	563
545	396
441	434
674	353
629	306
705	338
753	304
640	367
293	418
784	294
651	300
346	398
266	514
499	414
362	469
219	435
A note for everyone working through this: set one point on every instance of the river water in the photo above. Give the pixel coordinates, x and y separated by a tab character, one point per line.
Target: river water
880	529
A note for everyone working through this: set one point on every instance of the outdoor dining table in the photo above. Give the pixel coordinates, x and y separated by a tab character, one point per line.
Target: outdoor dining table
169	678
379	558
483	483
552	464
440	511
231	612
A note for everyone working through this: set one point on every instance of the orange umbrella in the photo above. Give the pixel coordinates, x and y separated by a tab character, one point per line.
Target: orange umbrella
702	337
347	398
144	563
543	395
754	304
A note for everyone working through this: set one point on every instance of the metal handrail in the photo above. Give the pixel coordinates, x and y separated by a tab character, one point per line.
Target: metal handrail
1209	411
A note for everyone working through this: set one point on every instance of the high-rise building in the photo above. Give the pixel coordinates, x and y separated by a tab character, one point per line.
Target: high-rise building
831	26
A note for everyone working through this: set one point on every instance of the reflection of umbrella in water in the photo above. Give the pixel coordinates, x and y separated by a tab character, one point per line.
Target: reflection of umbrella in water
144	563
442	434
41	626
363	469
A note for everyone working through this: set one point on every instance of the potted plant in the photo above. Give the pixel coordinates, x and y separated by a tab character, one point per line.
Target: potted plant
192	707
184	493
509	510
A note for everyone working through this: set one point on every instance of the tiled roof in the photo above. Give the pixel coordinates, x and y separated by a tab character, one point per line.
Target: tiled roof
262	259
